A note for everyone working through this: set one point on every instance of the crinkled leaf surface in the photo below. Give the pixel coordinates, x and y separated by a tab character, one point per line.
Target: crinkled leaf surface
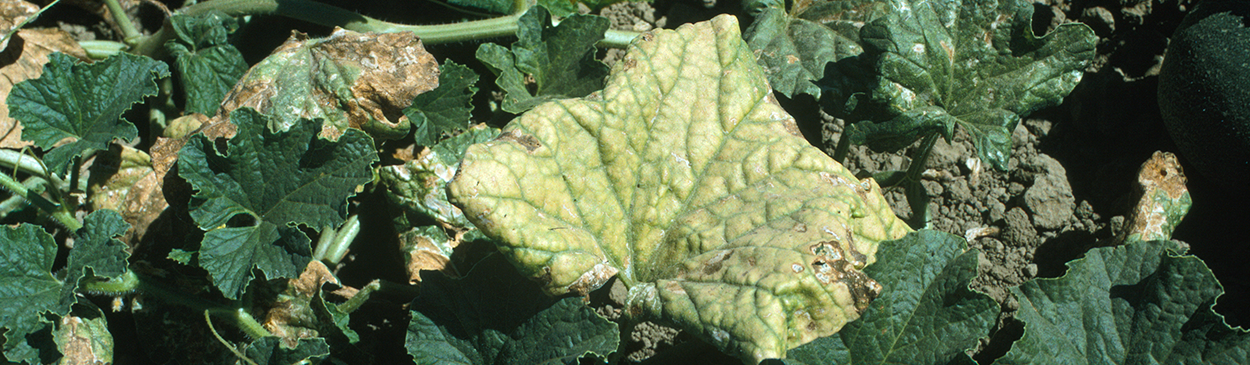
349	80
29	290
445	109
207	64
1140	303
555	62
972	63
796	45
690	183
925	315
419	186
270	351
495	316
82	102
277	180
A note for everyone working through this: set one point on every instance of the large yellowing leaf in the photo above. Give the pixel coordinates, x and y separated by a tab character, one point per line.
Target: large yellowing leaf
686	180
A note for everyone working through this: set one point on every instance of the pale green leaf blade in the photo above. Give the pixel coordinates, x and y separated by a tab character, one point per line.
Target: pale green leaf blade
83	102
796	46
277	180
977	59
271	351
687	180
447	108
28	289
207	64
555	61
925	315
1140	303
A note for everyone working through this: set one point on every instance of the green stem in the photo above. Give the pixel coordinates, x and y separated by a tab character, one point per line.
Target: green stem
99	50
403	291
342	240
917	197
131	282
29	164
57	212
119	16
843	147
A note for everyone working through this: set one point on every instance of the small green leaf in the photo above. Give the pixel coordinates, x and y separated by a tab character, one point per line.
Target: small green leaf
29	289
419	187
445	109
688	182
83	102
796	46
972	63
1139	303
925	315
275	180
271	351
554	62
207	64
495	316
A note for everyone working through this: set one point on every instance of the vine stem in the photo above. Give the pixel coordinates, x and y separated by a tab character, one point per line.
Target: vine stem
57	212
917	197
131	282
328	15
119	15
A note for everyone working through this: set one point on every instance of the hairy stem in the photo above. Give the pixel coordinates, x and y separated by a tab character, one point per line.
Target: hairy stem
57	212
119	16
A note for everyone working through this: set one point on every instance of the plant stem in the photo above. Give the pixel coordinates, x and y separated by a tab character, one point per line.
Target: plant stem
57	212
843	147
131	282
99	50
343	239
119	16
917	197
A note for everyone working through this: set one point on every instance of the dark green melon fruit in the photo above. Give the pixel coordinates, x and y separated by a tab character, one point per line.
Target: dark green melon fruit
1204	90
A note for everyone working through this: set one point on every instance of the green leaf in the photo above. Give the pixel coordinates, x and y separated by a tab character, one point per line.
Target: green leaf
1140	303
274	181
925	315
29	289
82	102
547	63
419	187
972	63
271	351
495	316
445	109
207	64
797	45
687	181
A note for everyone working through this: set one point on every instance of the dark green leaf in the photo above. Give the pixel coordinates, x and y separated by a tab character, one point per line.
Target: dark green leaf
975	63
796	46
445	109
30	290
275	180
271	351
27	288
83	102
1140	303
495	316
206	63
925	315
546	62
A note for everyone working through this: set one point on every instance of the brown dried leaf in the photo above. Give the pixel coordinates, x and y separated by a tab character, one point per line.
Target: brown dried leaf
349	79
22	60
1163	200
428	248
12	14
